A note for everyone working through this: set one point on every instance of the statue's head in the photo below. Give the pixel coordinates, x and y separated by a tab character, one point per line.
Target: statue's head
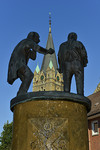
72	36
34	36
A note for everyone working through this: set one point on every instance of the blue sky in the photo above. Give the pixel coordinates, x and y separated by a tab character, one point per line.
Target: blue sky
18	18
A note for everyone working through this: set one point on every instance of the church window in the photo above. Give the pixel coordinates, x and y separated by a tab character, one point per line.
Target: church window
95	129
57	78
42	77
41	88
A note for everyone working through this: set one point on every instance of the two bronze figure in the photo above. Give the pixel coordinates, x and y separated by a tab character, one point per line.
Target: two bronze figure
72	58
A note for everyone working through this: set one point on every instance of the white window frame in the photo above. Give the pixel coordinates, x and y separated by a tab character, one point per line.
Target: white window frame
95	133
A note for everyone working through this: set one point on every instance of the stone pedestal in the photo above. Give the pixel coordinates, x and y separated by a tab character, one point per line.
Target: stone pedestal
50	121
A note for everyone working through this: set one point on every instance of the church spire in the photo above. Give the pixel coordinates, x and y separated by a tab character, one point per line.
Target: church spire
49	22
47	58
48	78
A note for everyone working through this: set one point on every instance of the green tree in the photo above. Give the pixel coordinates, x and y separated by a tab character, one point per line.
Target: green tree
6	136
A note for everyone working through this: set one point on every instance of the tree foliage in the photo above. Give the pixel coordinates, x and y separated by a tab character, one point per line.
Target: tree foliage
6	136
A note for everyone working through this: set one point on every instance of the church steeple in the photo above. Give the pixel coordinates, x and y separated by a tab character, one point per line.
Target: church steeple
49	22
47	58
48	78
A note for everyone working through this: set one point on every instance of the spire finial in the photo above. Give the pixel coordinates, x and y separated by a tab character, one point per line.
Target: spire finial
49	22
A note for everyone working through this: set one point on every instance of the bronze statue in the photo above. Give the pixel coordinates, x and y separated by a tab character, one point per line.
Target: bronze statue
72	58
18	68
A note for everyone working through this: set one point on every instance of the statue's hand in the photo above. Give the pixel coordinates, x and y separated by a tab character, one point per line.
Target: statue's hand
51	51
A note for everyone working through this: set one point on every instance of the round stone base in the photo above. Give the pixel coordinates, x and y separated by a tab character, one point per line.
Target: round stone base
50	121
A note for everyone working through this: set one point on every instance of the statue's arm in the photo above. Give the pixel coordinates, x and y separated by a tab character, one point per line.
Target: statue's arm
59	59
84	55
42	50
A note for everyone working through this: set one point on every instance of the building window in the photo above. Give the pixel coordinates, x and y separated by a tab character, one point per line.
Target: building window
95	129
57	78
42	77
37	81
41	88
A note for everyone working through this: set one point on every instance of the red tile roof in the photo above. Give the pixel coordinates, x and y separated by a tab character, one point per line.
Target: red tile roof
95	104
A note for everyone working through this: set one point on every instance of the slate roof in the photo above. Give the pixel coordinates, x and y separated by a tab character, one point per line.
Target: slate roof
47	58
95	108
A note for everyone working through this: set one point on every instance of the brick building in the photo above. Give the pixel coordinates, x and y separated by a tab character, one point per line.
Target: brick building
94	120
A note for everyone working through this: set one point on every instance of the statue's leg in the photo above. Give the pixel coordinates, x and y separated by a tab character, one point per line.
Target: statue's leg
79	76
26	76
67	76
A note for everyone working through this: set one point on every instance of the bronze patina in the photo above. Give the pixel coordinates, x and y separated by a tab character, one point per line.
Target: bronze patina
25	50
72	58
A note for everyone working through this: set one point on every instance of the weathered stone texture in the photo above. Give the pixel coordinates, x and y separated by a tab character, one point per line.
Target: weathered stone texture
50	125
